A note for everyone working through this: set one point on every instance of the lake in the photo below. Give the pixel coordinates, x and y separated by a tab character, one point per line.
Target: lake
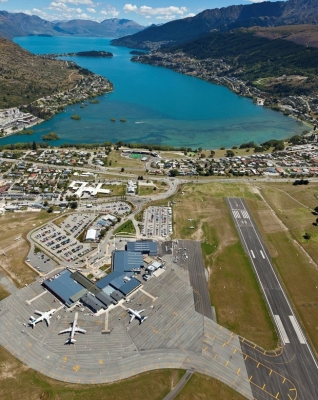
160	106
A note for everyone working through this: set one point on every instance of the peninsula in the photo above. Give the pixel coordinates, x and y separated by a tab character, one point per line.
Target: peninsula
34	88
89	53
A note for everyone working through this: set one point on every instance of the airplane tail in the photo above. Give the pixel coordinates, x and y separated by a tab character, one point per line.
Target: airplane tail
143	319
70	341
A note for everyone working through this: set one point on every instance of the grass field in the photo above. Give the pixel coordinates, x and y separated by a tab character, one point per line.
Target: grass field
297	272
124	162
18	381
233	287
14	225
201	387
126	227
116	190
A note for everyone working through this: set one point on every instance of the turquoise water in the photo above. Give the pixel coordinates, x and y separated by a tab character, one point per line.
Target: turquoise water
159	105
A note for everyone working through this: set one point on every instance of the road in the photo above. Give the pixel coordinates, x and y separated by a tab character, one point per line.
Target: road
296	363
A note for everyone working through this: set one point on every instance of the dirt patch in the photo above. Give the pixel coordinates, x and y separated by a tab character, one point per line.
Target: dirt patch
270	222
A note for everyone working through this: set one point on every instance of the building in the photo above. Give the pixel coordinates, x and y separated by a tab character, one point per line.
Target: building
127	261
91	235
92	303
143	246
64	287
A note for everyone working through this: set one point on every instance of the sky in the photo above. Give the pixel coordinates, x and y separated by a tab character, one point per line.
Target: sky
145	12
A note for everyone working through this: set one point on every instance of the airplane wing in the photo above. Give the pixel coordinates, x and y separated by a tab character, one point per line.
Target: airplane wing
132	317
139	312
79	330
47	319
39	312
66	330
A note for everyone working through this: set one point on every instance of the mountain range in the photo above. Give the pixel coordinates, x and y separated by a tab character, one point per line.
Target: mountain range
265	14
20	24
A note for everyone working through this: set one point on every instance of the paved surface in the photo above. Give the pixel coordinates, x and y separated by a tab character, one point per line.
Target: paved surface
7	283
190	257
174	335
179	386
295	370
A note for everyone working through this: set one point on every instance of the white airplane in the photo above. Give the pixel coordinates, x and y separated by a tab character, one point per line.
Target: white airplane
136	314
45	315
73	330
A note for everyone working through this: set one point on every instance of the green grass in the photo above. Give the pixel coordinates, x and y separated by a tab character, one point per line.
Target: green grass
126	227
201	387
244	311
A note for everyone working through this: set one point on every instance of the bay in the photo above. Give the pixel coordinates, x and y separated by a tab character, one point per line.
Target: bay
159	105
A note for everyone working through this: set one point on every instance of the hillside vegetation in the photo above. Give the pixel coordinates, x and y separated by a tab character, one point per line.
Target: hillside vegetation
224	19
253	58
25	77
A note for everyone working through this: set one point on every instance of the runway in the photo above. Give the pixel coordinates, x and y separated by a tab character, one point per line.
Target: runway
292	372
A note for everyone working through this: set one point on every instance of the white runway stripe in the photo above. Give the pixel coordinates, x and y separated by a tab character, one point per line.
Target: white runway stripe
262	254
297	330
281	329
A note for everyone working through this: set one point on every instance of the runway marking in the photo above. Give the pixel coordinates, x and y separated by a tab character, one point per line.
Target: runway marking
283	334
101	362
236	214
76	368
276	397
64	359
252	253
238	371
245	214
297	330
227	363
262	254
36	297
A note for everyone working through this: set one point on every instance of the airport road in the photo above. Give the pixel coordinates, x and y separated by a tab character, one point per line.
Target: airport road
295	369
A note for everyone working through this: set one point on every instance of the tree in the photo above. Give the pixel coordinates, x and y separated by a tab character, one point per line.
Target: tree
73	205
307	236
229	153
212	153
122	169
316	210
34	146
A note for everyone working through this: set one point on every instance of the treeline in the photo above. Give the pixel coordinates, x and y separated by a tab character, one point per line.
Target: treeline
252	58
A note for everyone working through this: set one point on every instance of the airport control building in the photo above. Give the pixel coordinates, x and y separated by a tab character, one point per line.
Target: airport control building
70	287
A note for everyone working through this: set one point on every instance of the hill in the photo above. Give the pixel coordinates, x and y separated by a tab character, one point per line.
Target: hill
224	19
20	24
25	77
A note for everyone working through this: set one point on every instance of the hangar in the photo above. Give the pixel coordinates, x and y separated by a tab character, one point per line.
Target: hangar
127	261
63	286
143	246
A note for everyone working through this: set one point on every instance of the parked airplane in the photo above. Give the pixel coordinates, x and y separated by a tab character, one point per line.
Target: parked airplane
73	330
44	315
136	314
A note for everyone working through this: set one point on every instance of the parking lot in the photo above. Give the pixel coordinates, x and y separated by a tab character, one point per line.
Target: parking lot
61	243
119	208
157	222
41	262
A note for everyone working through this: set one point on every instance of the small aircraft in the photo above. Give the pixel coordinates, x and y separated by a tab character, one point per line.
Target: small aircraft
136	314
44	315
190	219
73	330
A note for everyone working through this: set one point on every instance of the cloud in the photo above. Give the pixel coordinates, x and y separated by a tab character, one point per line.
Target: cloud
167	13
130	8
110	11
3	1
91	10
78	2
